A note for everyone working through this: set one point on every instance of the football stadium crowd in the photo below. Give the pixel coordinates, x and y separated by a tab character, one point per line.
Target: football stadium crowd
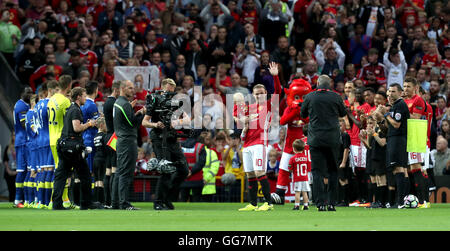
366	48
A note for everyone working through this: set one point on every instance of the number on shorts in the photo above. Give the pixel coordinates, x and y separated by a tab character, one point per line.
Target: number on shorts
259	162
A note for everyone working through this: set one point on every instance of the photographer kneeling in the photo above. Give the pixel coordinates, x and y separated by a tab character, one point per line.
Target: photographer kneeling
70	150
165	144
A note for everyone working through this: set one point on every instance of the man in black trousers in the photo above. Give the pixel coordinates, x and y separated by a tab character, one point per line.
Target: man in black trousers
126	124
324	108
395	119
111	188
169	149
70	152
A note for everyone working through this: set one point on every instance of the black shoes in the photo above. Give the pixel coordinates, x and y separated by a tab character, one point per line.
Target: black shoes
296	208
331	208
326	208
93	205
169	205
131	208
159	206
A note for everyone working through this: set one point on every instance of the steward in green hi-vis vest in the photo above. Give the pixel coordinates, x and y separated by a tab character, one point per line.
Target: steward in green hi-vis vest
284	9
209	172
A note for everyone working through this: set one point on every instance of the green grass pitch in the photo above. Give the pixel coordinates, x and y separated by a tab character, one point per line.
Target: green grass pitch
225	217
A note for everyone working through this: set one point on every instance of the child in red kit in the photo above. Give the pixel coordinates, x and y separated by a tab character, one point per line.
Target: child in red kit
298	166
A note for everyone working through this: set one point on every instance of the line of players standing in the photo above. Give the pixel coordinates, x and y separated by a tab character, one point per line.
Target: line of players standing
36	159
384	171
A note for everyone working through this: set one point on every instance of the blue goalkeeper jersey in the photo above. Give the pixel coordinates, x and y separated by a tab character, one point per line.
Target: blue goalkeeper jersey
90	111
42	114
20	111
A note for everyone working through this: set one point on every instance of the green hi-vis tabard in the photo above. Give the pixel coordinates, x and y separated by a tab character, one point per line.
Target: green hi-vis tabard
417	135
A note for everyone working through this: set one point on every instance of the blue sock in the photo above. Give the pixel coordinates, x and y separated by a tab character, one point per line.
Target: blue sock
26	187
20	178
44	188
31	189
35	188
44	192
41	187
48	186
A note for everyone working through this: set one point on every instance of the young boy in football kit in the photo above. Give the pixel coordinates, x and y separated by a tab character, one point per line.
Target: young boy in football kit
298	165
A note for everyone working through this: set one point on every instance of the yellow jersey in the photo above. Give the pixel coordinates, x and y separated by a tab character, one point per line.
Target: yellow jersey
56	109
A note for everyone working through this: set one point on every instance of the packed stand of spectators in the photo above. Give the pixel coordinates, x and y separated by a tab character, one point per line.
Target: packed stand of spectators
226	46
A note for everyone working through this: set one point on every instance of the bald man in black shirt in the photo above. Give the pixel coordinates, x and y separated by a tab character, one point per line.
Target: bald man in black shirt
126	124
324	108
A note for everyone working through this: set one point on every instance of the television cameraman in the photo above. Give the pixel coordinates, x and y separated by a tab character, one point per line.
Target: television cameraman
70	150
165	144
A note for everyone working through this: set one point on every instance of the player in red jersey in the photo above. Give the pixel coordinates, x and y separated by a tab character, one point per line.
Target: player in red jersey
255	137
89	57
418	110
298	165
427	170
369	99
358	151
291	118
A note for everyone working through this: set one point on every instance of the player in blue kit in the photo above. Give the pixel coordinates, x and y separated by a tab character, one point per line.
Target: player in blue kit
41	113
90	112
46	162
31	127
20	110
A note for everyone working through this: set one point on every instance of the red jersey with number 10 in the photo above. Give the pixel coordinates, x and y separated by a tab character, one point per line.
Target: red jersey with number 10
298	165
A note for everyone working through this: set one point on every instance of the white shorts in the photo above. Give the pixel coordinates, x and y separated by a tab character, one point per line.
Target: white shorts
416	158
358	156
254	158
284	161
302	186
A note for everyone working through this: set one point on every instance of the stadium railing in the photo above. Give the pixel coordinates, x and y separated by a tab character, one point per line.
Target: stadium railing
10	89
